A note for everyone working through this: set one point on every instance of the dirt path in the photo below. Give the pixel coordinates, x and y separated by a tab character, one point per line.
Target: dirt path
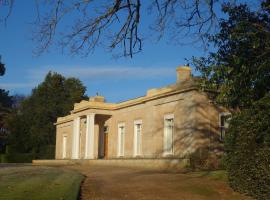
102	183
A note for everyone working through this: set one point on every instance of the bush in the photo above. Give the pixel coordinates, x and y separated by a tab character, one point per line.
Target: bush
12	156
3	158
247	147
46	152
17	158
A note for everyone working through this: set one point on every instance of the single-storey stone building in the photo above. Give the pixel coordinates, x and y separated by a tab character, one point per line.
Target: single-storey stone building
172	121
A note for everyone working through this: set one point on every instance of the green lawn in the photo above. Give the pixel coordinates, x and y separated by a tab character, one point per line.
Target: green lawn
212	185
216	175
35	182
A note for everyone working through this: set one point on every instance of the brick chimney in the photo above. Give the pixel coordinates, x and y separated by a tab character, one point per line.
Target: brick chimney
97	99
183	73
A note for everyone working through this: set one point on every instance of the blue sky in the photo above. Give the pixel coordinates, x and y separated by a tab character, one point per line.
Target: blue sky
116	79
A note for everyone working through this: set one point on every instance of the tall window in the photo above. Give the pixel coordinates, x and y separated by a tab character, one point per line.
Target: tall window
64	150
224	119
168	134
121	139
137	137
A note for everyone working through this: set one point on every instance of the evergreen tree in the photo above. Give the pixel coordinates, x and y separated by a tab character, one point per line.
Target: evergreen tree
31	124
5	107
239	68
247	148
2	67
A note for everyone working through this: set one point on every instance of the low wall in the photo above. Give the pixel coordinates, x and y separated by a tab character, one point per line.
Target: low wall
53	162
160	164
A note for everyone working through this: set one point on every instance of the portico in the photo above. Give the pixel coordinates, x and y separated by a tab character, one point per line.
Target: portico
88	136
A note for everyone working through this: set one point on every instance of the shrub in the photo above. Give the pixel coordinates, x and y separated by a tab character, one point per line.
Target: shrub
12	156
3	158
46	152
247	147
203	159
17	158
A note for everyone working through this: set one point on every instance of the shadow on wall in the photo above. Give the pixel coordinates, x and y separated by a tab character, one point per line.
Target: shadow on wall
197	137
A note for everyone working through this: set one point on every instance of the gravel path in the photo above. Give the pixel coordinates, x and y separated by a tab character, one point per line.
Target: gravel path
105	182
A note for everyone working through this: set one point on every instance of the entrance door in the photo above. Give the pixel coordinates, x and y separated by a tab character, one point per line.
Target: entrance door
106	145
106	142
80	146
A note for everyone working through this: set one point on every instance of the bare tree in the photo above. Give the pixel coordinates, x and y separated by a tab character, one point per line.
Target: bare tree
81	25
5	10
2	67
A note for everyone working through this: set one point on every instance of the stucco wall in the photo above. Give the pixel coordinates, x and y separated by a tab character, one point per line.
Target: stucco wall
196	125
61	130
207	122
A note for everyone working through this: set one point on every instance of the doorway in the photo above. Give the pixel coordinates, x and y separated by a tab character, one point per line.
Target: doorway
106	138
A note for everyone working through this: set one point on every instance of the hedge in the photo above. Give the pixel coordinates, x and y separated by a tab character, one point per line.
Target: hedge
11	156
247	147
17	158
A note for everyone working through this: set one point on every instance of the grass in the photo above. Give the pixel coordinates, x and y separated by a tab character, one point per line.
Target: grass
220	175
202	191
209	185
33	182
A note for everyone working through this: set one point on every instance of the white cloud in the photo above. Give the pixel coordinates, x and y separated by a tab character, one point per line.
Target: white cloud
94	74
104	72
9	86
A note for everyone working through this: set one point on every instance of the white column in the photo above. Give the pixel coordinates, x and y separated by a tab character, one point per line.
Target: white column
76	138
90	136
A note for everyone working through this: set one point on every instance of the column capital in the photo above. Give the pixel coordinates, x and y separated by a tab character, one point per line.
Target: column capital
90	114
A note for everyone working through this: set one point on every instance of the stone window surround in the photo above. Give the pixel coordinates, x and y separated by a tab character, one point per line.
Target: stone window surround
122	124
222	127
171	153
137	153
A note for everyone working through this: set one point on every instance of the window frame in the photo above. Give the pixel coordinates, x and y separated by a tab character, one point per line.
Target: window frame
223	127
137	152
165	135
120	138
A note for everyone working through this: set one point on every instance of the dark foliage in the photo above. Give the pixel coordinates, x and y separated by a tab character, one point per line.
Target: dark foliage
5	107
2	69
31	123
239	69
17	158
247	148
